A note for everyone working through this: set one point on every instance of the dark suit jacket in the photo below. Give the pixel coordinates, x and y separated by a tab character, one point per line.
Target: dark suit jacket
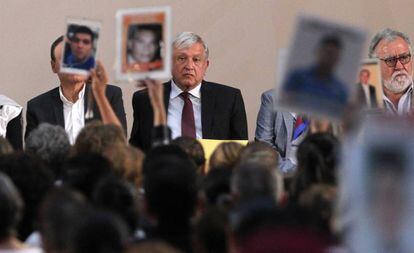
48	108
372	95
223	115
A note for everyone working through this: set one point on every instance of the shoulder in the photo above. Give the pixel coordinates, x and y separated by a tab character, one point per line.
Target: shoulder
113	89
44	97
219	88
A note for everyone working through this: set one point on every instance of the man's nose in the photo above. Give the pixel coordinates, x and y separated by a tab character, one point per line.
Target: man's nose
399	65
189	64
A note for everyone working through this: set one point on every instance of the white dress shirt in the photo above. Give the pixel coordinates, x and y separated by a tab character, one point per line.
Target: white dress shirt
404	104
175	109
9	110
74	114
365	87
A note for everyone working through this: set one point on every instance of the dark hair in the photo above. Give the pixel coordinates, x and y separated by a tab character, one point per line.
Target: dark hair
53	46
317	158
170	178
333	40
84	171
33	179
211	231
216	186
117	196
84	29
100	232
192	147
61	214
11	206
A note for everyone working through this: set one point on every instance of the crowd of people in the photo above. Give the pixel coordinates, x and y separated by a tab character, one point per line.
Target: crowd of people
79	185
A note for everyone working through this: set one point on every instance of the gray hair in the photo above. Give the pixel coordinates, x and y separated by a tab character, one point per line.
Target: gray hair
389	35
49	142
187	39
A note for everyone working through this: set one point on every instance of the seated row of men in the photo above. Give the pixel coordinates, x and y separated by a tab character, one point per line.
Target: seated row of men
201	109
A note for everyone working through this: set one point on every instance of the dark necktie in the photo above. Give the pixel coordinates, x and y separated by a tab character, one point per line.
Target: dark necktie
187	117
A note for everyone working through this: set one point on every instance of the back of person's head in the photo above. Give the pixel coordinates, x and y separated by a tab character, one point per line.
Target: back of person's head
152	246
133	163
260	152
97	137
252	181
216	187
61	213
33	180
211	231
11	207
170	185
83	172
50	143
5	146
161	151
193	148
317	159
115	195
318	201
226	155
100	232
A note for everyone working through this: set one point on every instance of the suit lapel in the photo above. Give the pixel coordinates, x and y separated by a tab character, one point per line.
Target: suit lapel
58	108
167	91
288	122
207	109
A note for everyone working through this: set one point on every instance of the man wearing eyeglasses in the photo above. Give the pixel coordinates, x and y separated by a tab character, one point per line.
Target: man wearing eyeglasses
393	49
195	108
80	55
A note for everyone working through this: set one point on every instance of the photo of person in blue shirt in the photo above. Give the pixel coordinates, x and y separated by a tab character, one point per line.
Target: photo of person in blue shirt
79	49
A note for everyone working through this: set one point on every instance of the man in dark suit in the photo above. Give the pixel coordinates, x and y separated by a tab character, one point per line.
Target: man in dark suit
366	91
67	104
195	108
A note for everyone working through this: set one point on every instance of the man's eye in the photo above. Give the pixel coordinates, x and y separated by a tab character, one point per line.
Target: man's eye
180	58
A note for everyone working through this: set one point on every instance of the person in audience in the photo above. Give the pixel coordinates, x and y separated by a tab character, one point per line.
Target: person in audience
115	195
153	246
194	149
65	105
170	194
317	160
51	144
11	209
11	122
212	232
100	232
84	171
226	155
393	49
60	215
33	179
215	188
192	102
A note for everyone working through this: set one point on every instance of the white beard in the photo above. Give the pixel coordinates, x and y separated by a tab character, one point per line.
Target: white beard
399	82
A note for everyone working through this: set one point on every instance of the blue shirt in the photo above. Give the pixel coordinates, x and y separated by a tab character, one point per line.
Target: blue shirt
70	62
307	82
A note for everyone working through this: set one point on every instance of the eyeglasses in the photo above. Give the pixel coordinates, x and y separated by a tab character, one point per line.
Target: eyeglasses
392	61
84	41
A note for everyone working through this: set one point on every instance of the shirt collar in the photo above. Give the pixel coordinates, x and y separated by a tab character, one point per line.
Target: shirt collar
66	101
176	91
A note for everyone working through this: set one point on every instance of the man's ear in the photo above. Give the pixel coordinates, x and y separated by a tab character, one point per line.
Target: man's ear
54	66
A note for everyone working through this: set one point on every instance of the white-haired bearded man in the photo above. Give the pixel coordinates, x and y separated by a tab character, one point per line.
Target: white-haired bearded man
393	49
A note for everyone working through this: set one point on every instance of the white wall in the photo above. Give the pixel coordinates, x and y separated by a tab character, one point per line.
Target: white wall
243	37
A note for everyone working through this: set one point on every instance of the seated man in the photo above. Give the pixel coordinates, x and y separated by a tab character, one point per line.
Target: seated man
67	104
195	108
81	52
281	130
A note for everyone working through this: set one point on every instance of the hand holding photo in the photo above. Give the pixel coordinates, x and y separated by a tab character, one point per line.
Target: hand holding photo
81	38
